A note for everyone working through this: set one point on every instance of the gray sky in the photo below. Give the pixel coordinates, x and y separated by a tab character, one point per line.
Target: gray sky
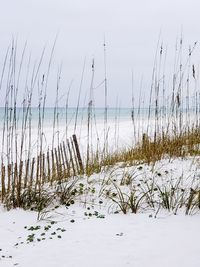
131	29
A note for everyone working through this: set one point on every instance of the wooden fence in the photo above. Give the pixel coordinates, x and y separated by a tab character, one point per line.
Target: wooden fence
57	164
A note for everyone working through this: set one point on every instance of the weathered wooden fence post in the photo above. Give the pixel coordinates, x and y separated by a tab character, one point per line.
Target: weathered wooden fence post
78	154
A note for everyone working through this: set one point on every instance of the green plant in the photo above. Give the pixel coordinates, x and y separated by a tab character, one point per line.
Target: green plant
67	192
30	199
135	201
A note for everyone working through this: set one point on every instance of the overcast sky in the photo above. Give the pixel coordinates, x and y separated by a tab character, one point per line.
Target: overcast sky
131	28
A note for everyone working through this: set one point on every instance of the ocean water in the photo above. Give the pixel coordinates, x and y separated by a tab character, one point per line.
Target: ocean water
55	126
70	115
52	127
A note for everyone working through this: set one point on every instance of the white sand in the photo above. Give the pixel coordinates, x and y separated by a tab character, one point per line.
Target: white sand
116	240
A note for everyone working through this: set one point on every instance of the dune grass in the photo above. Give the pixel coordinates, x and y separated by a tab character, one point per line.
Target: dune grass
171	131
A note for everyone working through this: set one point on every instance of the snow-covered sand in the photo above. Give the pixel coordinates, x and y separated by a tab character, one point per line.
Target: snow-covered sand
89	233
116	241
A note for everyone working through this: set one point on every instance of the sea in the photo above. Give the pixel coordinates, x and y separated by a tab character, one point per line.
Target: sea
28	128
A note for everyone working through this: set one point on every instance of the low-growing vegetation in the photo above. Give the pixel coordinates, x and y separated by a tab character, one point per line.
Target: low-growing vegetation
63	174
